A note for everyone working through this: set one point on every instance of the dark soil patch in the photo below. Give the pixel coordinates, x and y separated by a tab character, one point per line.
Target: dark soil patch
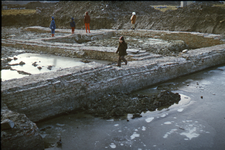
119	104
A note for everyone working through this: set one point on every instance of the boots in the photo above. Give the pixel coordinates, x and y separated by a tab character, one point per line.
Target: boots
52	35
119	63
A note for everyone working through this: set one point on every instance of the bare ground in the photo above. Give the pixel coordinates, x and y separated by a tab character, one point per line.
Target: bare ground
197	17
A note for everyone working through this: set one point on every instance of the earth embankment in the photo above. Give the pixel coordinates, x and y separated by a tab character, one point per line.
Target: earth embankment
197	17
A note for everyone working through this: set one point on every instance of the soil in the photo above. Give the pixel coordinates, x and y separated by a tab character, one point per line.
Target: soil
119	104
197	17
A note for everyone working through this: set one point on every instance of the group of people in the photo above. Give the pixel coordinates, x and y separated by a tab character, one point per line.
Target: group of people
87	21
121	50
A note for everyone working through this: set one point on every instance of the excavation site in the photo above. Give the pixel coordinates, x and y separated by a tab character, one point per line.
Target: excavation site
67	91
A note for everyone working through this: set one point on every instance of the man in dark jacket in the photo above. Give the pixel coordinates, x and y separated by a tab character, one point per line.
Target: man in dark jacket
87	21
122	49
72	25
52	26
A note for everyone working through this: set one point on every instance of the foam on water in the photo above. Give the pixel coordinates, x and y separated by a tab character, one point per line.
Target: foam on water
134	135
190	133
143	128
170	132
112	145
180	110
168	122
149	119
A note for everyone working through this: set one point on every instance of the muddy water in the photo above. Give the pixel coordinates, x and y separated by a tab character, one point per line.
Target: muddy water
196	122
47	63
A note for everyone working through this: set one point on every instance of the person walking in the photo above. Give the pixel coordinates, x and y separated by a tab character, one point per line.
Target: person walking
122	51
52	26
72	25
87	21
133	20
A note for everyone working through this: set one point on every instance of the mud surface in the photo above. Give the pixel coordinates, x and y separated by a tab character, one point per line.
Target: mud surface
120	104
198	17
154	45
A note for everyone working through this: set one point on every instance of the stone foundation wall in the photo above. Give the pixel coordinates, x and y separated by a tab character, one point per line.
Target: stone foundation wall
48	94
67	49
192	39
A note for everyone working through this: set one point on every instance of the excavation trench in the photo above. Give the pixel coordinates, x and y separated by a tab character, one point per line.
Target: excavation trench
155	57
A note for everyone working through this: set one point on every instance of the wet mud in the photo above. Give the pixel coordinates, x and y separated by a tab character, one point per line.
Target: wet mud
118	105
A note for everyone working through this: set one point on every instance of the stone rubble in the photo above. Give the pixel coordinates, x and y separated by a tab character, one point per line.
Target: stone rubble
16	127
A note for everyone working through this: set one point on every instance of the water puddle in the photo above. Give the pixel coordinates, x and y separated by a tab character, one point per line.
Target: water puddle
10	74
40	63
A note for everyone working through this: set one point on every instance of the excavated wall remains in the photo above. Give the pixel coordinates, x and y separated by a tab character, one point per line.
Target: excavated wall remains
45	95
41	96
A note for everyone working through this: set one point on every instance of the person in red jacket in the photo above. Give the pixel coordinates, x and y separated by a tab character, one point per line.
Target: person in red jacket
87	21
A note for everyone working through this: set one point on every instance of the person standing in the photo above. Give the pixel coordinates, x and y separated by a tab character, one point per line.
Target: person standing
87	21
133	20
122	49
52	26
72	25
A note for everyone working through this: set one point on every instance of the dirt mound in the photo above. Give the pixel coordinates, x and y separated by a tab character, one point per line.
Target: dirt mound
34	5
103	14
200	17
120	104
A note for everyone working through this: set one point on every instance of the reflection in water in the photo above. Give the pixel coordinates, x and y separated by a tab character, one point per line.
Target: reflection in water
10	74
43	61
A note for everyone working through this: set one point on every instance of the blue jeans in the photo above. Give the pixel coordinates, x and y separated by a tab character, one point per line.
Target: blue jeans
53	31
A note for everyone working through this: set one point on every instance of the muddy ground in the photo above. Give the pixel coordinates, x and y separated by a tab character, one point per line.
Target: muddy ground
120	104
197	17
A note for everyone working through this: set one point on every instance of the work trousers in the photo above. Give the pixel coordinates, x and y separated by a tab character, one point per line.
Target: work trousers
72	29
87	25
133	26
121	58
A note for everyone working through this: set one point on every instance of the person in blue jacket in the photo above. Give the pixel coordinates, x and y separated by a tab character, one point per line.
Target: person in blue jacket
52	26
72	25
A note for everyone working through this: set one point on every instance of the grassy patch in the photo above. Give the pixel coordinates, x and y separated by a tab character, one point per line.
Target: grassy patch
168	7
219	5
18	11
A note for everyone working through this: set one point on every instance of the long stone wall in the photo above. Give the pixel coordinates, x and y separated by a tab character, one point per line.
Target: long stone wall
192	39
45	95
67	49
